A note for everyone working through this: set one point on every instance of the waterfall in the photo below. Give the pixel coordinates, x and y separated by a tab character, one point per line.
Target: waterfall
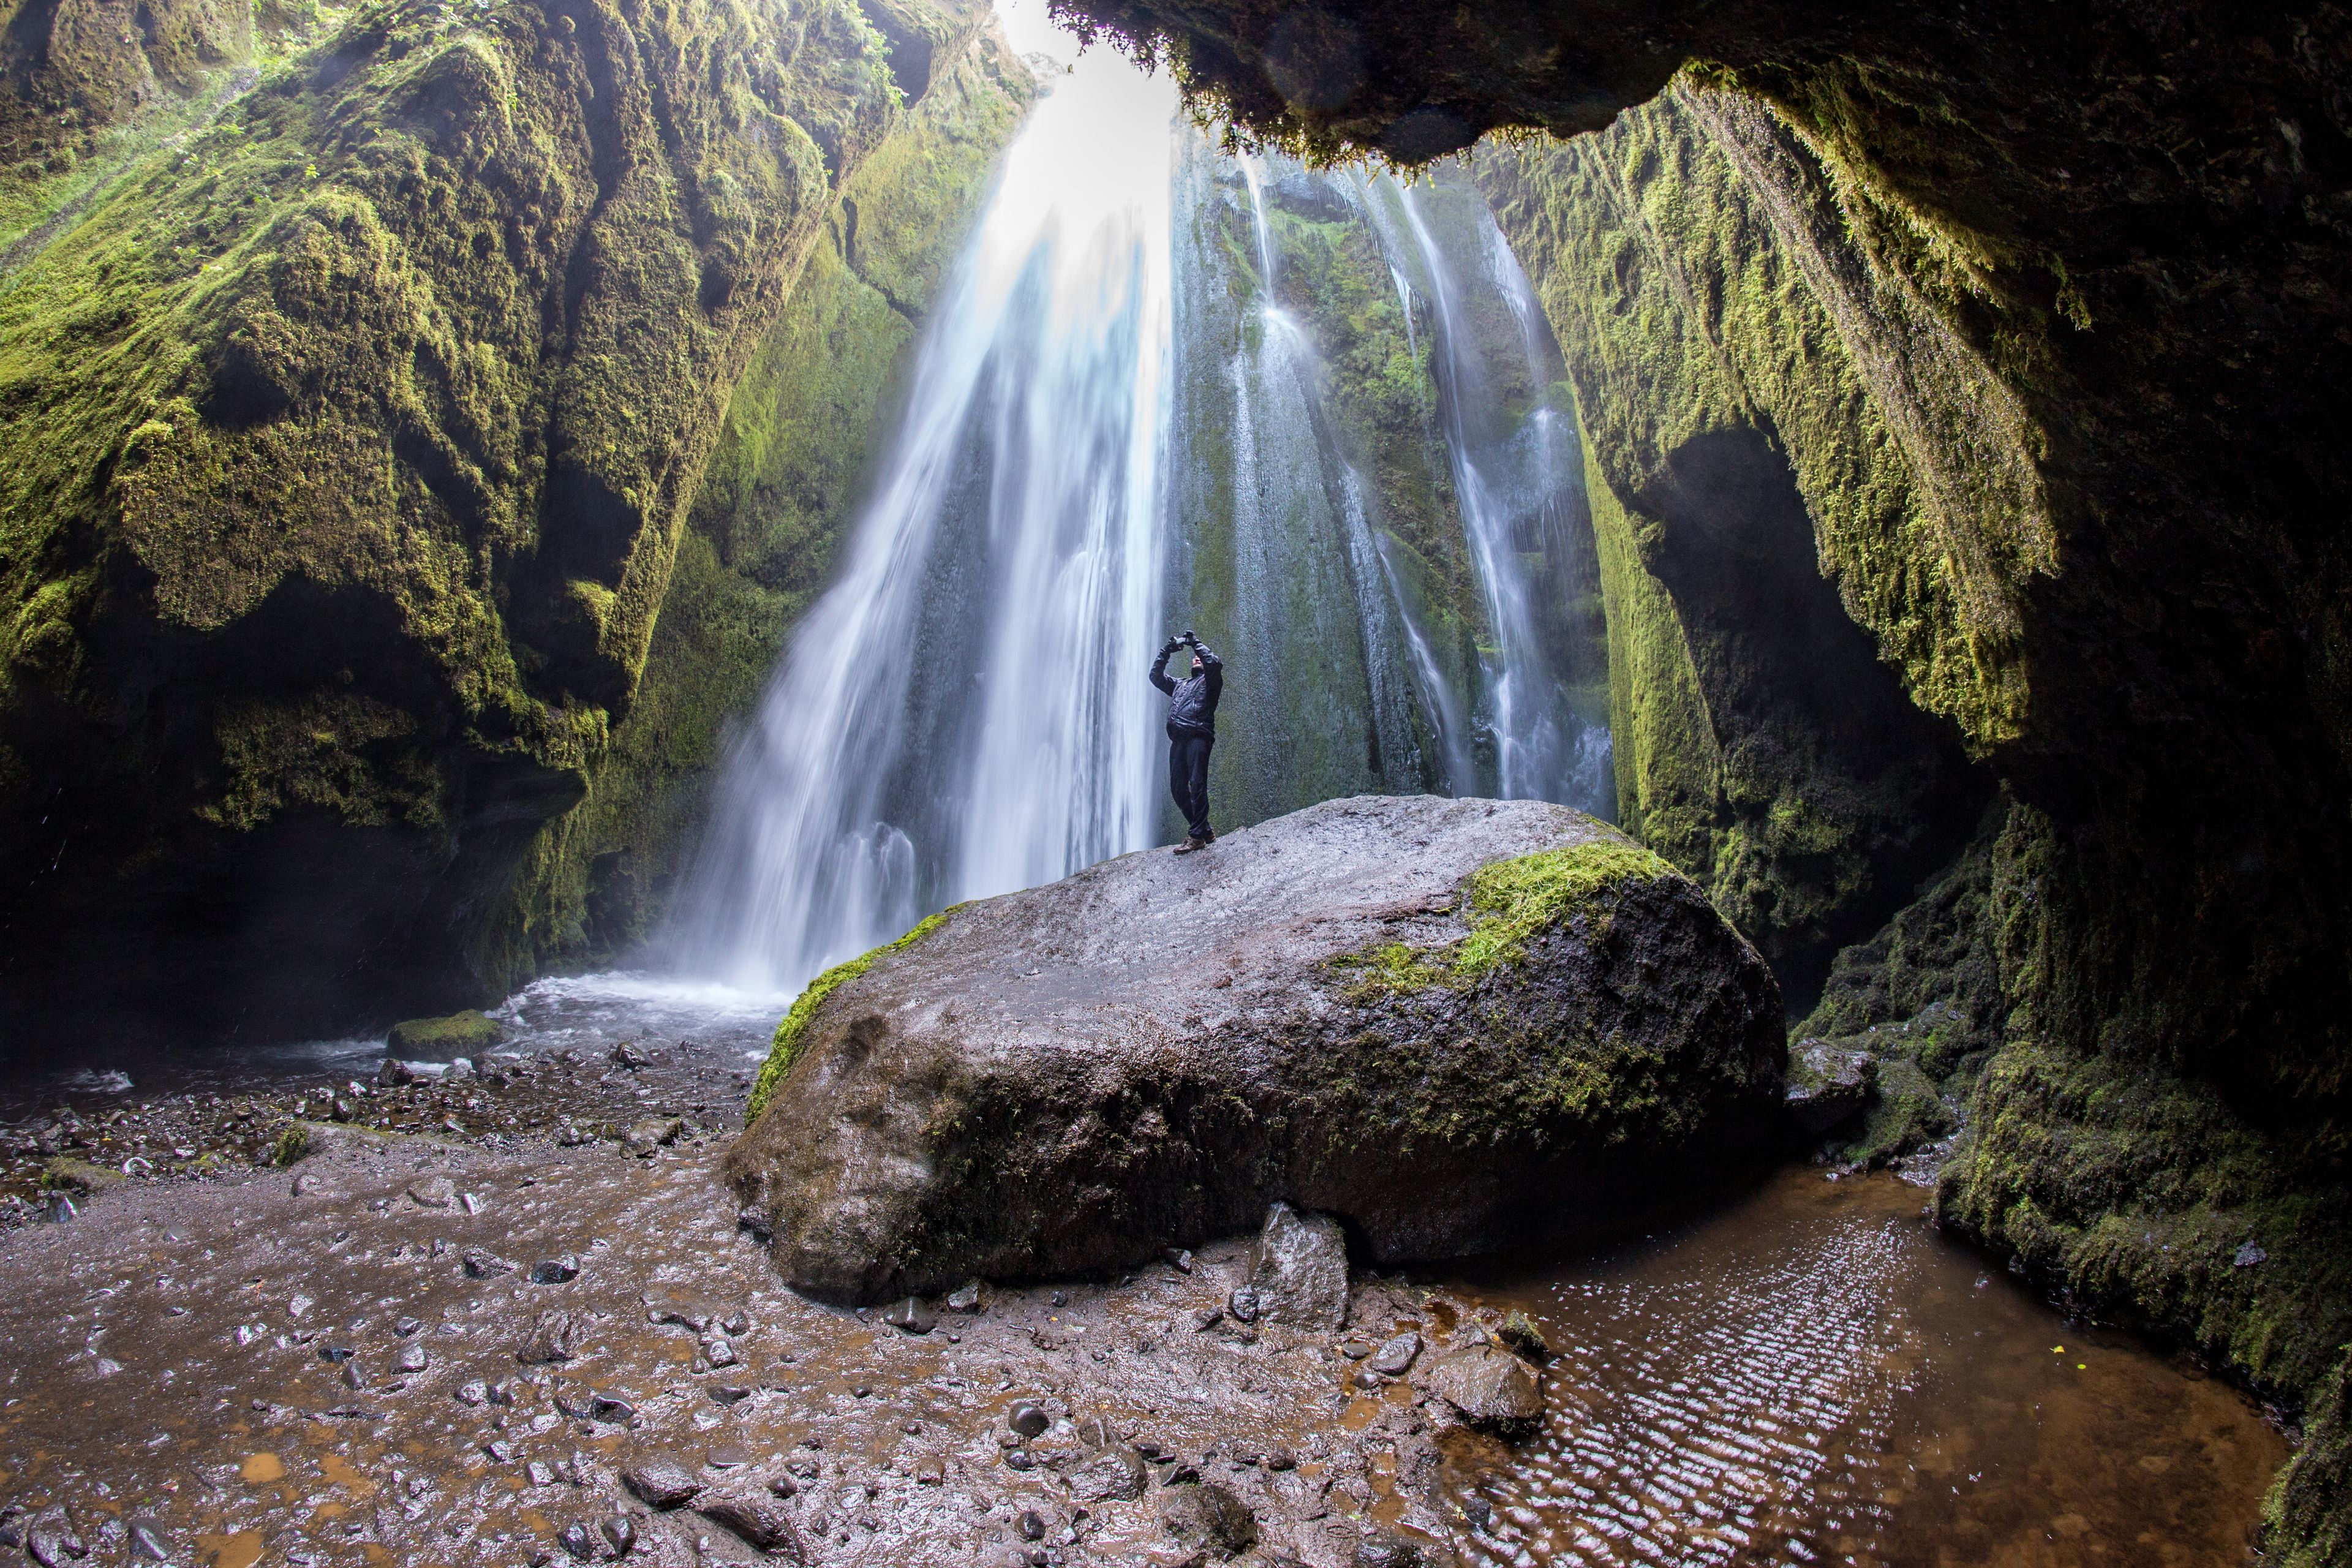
963	712
1518	482
1123	417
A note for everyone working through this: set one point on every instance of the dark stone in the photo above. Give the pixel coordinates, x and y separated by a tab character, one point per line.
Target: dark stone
1029	1420
1116	1473
1031	1525
410	1358
1491	1387
147	1540
556	1270
484	1265
966	1297
1395	1356
1828	1085
1206	1515
1299	1270
550	1340
620	1531
1388	1551
627	1057
1521	1337
579	1540
654	1133
911	1316
1291	1092
762	1519
610	1407
50	1540
661	1481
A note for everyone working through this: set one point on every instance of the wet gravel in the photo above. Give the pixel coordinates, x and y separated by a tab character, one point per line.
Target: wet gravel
342	1374
99	1136
509	1318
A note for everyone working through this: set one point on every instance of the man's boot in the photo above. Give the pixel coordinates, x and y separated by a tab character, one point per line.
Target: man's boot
1192	844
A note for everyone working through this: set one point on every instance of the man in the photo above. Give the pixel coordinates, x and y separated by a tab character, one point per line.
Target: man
1191	731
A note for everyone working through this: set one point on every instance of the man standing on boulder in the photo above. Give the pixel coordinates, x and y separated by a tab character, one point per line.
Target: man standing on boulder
1191	731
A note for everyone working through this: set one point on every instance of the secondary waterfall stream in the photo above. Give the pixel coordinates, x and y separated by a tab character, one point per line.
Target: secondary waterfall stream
1125	417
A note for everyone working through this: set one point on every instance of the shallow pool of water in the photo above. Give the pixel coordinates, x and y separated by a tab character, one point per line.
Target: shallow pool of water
1814	1374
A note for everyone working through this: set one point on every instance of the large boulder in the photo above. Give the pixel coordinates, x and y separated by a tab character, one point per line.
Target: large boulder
1454	1024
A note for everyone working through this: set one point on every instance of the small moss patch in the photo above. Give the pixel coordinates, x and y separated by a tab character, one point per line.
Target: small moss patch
1511	903
796	1022
65	1173
457	1033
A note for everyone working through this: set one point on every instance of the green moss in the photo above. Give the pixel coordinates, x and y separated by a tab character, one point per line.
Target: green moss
1764	488
776	499
291	1146
804	1010
2139	1189
65	1174
454	1036
1511	903
2309	1514
1514	901
290	381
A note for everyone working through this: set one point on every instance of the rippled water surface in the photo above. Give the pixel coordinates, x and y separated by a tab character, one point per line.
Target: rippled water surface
1815	1376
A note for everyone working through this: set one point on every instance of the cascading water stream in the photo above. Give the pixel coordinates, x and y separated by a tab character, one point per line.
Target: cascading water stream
1511	486
958	714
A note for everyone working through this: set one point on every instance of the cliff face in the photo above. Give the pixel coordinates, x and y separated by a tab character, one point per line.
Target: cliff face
1958	419
350	448
1768	450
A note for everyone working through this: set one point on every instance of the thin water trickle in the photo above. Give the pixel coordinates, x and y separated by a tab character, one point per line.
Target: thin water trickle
1517	470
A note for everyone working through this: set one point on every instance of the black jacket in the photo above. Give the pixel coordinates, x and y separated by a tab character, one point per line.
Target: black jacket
1192	701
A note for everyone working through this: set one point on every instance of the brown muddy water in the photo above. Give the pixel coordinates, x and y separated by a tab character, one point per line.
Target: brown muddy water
326	1365
1813	1374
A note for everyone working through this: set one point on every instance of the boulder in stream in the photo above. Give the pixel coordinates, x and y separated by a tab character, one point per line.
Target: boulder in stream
1451	1024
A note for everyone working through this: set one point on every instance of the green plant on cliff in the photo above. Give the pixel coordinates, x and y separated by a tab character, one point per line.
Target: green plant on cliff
795	1022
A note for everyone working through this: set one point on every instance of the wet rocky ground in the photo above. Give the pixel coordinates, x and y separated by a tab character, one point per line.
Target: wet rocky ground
477	1321
101	1133
410	1349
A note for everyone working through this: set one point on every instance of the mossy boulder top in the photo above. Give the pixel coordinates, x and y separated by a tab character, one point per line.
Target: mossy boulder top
1456	1025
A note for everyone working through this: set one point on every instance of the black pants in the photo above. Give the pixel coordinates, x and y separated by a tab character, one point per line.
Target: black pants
1188	779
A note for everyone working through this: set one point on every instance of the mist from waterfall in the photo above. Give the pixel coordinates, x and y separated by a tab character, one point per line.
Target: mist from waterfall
1119	421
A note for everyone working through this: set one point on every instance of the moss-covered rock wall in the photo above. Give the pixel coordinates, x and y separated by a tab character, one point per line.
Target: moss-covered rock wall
1754	477
778	494
350	447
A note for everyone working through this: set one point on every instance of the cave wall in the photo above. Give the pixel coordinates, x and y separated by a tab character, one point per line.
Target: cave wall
1834	563
1765	465
776	499
350	439
2045	310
